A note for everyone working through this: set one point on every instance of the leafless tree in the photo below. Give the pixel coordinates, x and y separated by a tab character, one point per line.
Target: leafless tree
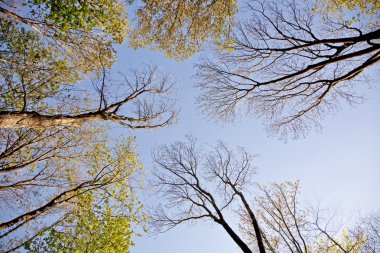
288	66
202	186
141	101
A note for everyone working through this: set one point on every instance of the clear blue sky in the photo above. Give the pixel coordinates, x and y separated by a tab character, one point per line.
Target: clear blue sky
339	167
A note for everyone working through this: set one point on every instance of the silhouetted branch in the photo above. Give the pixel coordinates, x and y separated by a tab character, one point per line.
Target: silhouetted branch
201	185
287	67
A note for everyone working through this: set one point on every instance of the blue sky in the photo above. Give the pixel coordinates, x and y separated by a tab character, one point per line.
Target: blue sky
338	166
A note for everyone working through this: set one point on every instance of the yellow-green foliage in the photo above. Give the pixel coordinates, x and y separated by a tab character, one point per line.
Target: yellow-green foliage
181	27
81	33
354	243
105	15
95	229
337	8
103	219
34	69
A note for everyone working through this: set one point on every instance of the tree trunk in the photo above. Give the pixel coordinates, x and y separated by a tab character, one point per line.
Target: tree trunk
36	120
32	214
255	224
235	237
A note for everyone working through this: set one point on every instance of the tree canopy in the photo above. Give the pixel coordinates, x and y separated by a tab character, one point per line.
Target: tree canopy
197	184
336	7
70	184
80	34
83	33
287	67
140	99
92	227
182	27
90	183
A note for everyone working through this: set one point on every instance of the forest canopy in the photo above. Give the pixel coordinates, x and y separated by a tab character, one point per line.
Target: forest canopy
71	175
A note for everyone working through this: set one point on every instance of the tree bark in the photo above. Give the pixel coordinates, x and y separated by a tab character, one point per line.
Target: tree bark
235	237
36	120
254	223
22	19
34	213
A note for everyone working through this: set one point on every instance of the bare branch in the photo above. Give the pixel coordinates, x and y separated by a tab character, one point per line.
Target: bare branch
144	105
200	185
287	67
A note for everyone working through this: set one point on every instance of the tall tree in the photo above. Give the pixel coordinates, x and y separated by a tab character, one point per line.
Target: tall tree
46	46
88	230
99	182
289	226
80	31
84	32
201	186
140	102
288	66
50	156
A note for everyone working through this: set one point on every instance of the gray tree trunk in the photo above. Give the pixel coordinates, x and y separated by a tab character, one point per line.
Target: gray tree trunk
36	120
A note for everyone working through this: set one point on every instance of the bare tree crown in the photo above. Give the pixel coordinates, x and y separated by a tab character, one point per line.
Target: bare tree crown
287	66
201	185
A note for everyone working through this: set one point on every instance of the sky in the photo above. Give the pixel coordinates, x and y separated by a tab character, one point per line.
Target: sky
338	167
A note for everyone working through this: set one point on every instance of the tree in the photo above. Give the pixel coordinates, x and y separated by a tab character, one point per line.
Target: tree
33	161
338	6
45	45
28	66
98	183
47	117
182	27
46	49
143	104
288	226
81	32
202	186
84	32
369	225
98	228
48	46
288	67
